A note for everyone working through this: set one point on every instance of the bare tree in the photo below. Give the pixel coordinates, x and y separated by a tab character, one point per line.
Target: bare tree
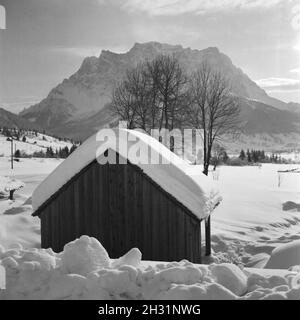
169	87
218	155
212	109
123	105
153	71
171	84
130	98
152	95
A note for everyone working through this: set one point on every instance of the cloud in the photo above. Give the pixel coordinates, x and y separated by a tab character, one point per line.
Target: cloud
297	70
173	34
177	7
279	84
297	47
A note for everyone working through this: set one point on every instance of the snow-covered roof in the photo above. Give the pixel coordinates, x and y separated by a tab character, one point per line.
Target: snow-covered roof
183	181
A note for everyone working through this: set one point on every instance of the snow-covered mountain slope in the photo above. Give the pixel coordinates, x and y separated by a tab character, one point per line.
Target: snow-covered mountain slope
78	106
34	143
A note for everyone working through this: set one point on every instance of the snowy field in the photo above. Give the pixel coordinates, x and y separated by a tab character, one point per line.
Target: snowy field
16	223
251	221
255	217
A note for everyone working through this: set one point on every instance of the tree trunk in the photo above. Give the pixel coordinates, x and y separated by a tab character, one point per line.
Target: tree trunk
205	168
172	144
207	237
11	194
207	221
207	158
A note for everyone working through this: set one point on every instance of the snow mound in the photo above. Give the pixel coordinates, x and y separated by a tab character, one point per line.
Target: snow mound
209	291
285	256
83	270
132	258
231	277
84	255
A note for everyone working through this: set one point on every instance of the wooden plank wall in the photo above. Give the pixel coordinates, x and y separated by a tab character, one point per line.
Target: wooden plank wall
122	208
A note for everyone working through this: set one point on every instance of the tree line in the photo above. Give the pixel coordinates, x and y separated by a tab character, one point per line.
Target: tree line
159	94
255	156
245	158
48	153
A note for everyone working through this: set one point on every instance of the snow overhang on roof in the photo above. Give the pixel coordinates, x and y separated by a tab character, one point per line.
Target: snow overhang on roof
183	181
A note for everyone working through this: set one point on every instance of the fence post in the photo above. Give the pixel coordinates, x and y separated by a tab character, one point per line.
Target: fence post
207	237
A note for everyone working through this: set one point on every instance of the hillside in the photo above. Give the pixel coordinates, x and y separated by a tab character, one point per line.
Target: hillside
259	117
11	120
34	142
294	107
78	106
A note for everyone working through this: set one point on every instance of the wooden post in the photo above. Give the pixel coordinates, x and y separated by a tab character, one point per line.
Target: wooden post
11	194
207	237
200	243
12	153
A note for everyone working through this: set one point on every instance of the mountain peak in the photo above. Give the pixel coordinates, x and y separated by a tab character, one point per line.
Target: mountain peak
107	53
86	92
155	46
213	50
89	65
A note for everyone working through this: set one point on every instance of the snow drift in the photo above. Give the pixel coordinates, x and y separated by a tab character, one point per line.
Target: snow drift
84	271
285	256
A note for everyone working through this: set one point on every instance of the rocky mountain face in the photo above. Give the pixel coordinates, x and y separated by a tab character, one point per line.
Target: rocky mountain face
11	120
77	107
293	107
259	117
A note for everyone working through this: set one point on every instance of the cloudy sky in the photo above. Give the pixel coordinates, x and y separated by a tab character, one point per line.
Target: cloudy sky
46	40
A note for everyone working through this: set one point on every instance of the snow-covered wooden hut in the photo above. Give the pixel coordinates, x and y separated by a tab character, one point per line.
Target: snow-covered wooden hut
155	207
